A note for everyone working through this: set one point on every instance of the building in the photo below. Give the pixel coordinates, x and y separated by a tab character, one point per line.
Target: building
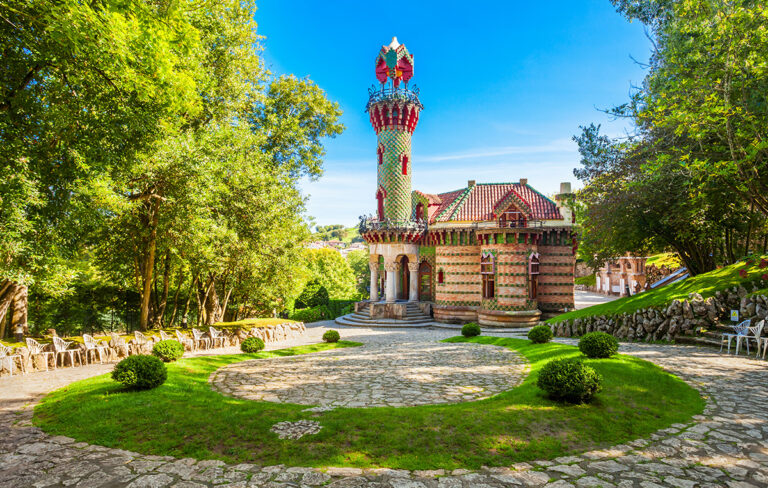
622	276
497	253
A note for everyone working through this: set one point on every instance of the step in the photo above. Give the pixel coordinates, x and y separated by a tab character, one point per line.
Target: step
368	320
391	323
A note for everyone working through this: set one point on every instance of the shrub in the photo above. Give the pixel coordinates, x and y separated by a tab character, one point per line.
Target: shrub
331	336
470	330
140	372
308	315
168	350
313	295
540	334
252	345
598	345
570	380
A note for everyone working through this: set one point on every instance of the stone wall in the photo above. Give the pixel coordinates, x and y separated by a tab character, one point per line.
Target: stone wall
679	318
115	351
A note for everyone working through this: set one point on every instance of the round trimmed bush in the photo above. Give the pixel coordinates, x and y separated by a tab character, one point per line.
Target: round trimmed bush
140	372
252	345
598	345
569	380
168	350
470	330
331	336
540	334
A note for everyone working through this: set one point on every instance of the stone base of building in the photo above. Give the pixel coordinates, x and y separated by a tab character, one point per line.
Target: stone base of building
486	318
500	318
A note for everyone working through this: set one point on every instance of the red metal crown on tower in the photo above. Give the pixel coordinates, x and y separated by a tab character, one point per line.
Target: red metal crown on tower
394	62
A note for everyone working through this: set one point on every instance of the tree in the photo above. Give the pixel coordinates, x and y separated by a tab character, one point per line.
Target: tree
358	261
333	272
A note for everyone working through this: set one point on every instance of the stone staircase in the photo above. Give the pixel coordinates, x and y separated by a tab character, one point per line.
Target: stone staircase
414	318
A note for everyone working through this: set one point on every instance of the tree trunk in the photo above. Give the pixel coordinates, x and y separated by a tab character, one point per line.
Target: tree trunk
7	293
192	287
20	310
226	301
158	317
212	305
176	299
149	265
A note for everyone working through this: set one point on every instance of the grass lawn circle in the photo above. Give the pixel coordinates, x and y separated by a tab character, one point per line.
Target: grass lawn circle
185	418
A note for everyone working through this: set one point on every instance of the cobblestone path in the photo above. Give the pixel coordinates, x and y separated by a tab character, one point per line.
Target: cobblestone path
377	375
724	447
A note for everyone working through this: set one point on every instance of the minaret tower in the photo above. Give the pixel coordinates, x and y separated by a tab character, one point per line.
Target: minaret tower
394	112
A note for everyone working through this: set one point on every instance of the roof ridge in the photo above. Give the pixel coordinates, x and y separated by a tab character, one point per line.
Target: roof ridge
454	205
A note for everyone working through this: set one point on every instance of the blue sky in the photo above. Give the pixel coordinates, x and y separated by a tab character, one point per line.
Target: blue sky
505	85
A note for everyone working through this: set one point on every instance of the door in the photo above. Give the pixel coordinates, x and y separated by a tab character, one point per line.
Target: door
425	282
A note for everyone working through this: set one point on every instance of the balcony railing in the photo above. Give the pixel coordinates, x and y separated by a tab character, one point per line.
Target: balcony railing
390	93
368	223
520	224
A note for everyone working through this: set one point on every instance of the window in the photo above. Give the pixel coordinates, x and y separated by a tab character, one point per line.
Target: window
420	211
533	271
404	160
488	273
440	276
380	195
380	153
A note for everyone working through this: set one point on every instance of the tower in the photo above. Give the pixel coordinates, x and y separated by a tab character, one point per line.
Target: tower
394	112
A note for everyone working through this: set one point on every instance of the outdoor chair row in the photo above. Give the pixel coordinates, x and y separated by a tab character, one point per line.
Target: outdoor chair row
746	333
93	348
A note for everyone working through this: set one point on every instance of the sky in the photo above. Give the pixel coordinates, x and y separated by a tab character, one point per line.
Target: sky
505	86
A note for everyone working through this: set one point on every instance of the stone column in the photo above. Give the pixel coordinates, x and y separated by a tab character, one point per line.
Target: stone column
397	279
413	281
374	280
391	269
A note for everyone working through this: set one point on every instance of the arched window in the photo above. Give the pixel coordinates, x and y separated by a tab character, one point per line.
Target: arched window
533	278
440	276
404	160
380	153
488	273
380	196
420	211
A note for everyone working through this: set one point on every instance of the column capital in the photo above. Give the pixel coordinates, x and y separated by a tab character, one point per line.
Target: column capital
374	267
413	267
391	266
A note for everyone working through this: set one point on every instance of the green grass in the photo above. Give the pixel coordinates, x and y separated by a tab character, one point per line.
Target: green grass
589	280
668	259
185	418
707	284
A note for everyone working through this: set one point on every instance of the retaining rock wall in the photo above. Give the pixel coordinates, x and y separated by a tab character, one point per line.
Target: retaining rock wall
681	317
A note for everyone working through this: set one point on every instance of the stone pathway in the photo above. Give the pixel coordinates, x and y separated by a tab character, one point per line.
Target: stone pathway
724	447
377	375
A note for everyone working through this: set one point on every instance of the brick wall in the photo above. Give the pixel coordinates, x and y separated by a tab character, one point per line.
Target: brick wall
556	278
461	269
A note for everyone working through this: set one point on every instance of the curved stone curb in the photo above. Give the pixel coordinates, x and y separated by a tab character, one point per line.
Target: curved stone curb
724	447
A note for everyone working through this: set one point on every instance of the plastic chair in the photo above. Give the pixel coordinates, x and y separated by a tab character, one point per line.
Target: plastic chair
62	347
139	340
93	346
35	349
740	329
216	336
5	354
185	341
201	339
753	334
164	336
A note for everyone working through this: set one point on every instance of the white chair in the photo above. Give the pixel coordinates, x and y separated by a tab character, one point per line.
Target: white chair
61	347
185	341
139	340
753	333
119	343
35	349
165	336
93	346
201	339
739	330
6	356
216	337
764	344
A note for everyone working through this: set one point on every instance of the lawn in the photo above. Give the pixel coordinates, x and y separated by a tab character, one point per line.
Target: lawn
707	284
185	418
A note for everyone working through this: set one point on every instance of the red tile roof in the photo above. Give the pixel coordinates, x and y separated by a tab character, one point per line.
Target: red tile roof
477	203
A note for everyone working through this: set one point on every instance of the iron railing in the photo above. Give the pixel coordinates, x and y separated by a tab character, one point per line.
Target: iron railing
368	223
390	93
